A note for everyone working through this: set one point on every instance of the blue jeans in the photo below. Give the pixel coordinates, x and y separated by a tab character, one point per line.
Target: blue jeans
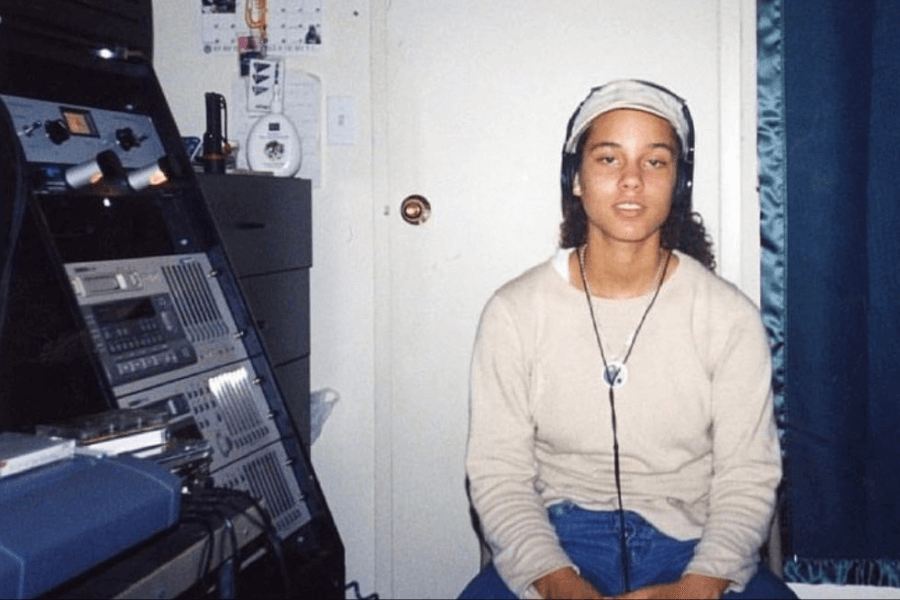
591	539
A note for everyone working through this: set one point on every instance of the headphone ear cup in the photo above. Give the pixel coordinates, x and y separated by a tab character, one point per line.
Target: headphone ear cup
568	174
684	178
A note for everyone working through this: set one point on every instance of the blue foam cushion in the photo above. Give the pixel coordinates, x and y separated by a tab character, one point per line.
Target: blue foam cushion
61	519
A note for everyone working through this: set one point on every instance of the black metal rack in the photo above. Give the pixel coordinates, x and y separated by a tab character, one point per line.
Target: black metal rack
82	264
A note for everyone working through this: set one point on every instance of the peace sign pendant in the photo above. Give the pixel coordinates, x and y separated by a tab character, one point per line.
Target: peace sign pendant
615	375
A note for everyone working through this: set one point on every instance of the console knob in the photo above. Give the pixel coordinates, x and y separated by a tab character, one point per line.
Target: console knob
127	138
57	131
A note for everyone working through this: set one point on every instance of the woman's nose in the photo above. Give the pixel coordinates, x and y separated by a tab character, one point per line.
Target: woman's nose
631	177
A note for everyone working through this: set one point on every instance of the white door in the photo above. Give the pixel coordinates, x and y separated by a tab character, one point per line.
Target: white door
474	97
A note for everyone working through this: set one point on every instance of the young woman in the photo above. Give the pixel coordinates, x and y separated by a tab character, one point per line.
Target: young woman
621	436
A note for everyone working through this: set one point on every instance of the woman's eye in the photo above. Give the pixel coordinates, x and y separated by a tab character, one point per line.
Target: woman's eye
606	160
657	163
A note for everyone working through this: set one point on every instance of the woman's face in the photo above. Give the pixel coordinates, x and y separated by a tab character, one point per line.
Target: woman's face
627	176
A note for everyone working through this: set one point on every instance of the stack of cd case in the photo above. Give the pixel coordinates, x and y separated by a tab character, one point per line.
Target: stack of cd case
139	432
145	433
21	452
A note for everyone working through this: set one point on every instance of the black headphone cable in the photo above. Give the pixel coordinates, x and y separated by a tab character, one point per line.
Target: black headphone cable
610	375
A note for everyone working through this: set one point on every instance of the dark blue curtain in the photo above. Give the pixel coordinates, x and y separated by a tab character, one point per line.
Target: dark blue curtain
829	142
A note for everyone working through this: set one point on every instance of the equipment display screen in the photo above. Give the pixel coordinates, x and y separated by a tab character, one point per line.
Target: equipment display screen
79	122
129	310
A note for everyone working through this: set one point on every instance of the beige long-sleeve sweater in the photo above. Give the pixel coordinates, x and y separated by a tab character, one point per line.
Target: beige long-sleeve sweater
698	446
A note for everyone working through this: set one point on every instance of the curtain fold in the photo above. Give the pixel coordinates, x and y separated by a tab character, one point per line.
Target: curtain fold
773	190
830	212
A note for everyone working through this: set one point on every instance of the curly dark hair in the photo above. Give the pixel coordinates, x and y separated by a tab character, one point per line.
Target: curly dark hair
683	229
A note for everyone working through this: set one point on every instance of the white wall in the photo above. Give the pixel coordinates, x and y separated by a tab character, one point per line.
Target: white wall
342	276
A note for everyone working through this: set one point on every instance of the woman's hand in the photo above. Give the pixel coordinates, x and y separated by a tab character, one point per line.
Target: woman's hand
565	583
690	585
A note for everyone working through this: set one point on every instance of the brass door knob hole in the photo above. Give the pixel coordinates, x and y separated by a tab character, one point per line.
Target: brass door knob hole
415	209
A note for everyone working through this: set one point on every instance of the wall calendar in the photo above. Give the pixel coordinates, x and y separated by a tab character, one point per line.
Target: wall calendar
261	27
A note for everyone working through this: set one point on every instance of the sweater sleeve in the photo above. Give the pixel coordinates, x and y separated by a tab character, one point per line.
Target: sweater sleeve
746	454
500	460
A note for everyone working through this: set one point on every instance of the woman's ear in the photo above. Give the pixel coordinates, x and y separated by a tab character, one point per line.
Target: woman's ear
576	185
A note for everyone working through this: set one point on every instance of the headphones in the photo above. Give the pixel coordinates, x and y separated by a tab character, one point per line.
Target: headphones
684	179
